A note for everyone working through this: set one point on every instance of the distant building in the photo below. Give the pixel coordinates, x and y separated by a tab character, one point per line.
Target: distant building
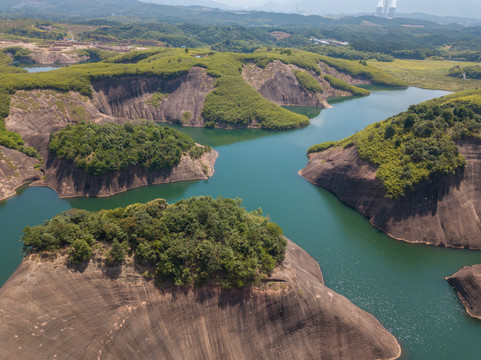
380	8
386	8
329	42
392	8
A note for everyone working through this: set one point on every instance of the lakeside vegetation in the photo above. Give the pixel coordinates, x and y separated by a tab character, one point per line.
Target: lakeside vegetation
194	241
100	149
417	144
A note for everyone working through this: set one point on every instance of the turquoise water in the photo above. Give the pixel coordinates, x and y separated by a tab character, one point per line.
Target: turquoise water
33	68
401	284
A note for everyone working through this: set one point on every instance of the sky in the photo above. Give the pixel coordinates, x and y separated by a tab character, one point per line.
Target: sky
463	8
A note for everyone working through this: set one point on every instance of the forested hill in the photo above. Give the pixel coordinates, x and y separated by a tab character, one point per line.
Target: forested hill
418	144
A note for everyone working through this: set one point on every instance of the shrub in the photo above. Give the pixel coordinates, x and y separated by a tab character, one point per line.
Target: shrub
79	251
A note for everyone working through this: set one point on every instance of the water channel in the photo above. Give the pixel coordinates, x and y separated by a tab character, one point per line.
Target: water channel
401	284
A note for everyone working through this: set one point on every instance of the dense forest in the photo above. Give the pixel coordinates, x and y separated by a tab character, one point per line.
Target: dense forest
193	241
419	143
100	149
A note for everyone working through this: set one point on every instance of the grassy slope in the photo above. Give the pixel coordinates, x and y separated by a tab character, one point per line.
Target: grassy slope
427	74
419	143
170	62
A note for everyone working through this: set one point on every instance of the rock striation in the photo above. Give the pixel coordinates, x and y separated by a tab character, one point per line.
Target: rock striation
16	169
131	97
48	310
443	211
69	181
467	283
278	84
36	114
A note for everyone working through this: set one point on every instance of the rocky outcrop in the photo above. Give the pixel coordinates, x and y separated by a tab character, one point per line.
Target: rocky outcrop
443	211
348	78
36	114
278	84
467	283
16	169
69	181
48	310
133	97
57	57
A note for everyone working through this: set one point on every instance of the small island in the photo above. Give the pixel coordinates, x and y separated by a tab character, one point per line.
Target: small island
201	278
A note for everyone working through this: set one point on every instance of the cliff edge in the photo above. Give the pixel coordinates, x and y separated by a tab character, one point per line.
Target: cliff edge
442	211
48	310
16	169
467	283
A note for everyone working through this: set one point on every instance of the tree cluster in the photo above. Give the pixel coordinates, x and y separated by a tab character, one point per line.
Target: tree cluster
100	149
193	241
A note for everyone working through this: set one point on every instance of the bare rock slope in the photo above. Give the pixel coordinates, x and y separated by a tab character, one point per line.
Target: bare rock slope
16	169
278	84
467	283
50	311
133	97
443	211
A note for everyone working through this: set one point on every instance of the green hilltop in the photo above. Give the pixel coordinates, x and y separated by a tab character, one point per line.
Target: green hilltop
194	241
419	143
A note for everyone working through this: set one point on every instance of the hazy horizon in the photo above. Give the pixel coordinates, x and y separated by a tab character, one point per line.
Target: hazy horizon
467	8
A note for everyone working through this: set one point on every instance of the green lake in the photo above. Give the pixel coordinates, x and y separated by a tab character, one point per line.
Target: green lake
401	284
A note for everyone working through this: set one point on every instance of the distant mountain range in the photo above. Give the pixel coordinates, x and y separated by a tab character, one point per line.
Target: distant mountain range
443	8
210	12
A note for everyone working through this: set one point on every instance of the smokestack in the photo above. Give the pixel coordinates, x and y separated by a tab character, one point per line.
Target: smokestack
392	8
380	8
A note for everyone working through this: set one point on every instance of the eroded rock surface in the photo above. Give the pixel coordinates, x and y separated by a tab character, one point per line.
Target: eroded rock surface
348	78
443	211
69	181
50	311
132	97
278	84
467	283
36	114
16	169
57	57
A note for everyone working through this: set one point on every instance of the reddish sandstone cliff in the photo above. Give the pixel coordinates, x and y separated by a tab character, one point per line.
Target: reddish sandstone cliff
50	311
443	211
467	283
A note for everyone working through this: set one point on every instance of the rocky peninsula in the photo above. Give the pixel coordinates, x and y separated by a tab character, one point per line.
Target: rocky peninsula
48	310
440	210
